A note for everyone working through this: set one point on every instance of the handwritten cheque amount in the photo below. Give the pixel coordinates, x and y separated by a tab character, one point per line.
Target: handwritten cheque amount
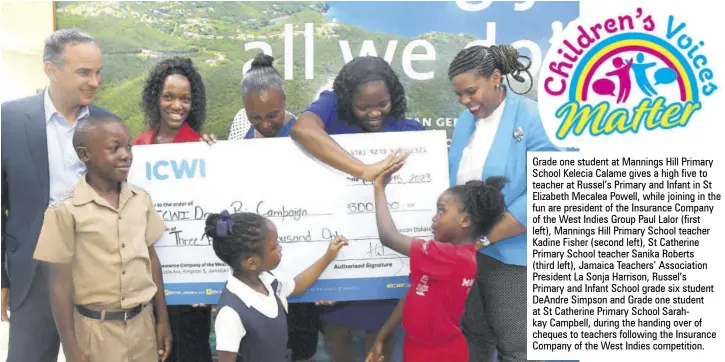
309	202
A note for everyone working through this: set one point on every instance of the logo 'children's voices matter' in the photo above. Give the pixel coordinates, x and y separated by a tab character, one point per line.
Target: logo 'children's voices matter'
625	73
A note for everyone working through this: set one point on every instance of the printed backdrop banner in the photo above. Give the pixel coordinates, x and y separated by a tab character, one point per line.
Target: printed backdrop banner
310	41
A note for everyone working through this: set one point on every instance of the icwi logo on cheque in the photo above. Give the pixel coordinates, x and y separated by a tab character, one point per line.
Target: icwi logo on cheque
624	74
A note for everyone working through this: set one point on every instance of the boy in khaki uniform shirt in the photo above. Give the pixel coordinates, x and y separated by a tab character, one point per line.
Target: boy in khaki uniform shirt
105	273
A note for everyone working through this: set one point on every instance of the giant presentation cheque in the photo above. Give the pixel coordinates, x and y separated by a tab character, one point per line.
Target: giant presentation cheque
309	202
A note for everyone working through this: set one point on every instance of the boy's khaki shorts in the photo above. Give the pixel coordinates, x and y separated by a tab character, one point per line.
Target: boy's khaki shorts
118	341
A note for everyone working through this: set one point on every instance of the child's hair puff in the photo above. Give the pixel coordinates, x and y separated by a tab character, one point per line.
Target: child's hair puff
483	201
236	236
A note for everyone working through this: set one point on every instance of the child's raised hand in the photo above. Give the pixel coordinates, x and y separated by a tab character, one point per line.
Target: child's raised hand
335	246
396	162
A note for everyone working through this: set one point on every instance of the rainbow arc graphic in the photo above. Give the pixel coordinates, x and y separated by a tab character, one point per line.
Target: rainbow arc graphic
633	42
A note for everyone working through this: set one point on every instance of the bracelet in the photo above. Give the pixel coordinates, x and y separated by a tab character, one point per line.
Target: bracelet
483	241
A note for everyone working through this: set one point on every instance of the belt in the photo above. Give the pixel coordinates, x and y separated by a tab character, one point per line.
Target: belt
122	315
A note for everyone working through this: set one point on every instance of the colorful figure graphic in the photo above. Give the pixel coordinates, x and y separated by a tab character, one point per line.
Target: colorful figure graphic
622	72
606	86
640	75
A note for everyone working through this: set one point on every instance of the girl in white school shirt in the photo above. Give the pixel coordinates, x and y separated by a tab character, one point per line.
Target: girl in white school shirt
252	320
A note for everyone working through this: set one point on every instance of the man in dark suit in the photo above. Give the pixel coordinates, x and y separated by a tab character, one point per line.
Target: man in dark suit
39	165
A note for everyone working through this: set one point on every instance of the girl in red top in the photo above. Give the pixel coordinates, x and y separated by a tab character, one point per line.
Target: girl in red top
174	105
442	271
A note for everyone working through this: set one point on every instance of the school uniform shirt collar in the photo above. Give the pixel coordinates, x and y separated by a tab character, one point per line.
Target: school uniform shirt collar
51	111
83	193
249	296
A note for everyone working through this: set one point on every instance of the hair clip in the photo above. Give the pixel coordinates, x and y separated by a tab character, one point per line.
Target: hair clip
224	225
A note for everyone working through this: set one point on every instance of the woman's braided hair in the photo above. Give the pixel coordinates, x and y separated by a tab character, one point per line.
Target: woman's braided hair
485	60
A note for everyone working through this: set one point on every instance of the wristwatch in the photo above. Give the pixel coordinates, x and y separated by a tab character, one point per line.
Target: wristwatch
483	241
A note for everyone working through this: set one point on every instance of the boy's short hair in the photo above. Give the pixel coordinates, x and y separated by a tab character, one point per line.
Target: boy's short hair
88	124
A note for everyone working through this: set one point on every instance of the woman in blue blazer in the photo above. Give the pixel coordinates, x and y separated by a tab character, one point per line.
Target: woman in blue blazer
492	137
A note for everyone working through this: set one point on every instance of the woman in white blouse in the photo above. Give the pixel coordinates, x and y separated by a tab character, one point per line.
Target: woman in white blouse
240	126
491	138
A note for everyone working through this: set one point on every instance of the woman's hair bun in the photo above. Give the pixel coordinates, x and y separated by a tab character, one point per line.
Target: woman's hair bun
497	182
509	51
262	61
